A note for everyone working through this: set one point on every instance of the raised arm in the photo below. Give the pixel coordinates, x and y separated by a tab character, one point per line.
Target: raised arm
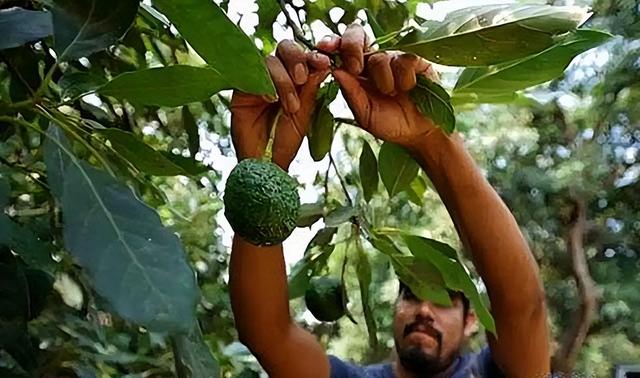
381	104
258	280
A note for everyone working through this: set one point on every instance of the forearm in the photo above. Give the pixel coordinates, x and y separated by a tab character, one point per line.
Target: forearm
259	296
485	225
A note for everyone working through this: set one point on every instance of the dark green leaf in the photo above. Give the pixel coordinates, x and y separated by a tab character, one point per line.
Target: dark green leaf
220	43
23	291
15	340
19	26
321	133
368	171
268	11
5	192
453	272
309	214
166	86
417	189
193	357
504	79
314	259
491	34
58	160
75	84
434	102
140	154
132	261
25	64
363	272
84	27
24	241
378	31
422	277
339	216
397	168
191	127
190	167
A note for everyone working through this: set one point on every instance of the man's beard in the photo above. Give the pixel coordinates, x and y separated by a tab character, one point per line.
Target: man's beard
415	360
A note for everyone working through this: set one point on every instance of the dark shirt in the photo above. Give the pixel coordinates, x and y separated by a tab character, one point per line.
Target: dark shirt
469	365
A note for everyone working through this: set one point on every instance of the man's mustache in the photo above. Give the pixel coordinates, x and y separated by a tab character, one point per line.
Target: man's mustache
423	327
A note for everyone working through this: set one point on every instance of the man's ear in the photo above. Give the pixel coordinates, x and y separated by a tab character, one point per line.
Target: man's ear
470	324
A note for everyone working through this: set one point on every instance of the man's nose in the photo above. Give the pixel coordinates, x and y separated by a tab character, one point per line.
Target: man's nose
425	310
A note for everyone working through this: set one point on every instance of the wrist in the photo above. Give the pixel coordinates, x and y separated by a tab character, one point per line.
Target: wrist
431	148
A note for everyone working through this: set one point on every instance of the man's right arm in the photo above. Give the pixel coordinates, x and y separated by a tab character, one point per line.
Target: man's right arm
259	297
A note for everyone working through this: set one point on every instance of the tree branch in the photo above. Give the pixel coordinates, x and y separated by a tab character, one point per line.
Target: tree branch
565	358
298	34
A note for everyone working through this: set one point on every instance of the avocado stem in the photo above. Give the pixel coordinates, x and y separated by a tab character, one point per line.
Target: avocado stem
268	151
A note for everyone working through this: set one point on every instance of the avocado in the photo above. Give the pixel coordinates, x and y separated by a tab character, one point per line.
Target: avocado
261	202
324	298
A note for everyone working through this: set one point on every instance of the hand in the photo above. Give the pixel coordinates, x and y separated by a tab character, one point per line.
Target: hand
297	75
377	90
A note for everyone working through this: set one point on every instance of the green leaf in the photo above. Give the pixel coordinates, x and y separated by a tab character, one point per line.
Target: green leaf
5	192
363	272
191	127
75	84
81	28
57	161
491	34
22	240
192	355
340	215
434	102
132	261
189	166
306	268
140	154
309	214
368	171
321	133
453	273
422	277
25	72
397	168
166	86
417	189
504	79
23	291
378	31
220	43
19	26
268	11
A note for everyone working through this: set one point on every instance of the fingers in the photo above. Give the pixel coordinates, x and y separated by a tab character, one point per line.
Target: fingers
352	48
317	61
294	60
379	69
284	86
329	44
356	96
404	71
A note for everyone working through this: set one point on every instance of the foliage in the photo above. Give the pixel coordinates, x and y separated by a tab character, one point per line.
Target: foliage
114	130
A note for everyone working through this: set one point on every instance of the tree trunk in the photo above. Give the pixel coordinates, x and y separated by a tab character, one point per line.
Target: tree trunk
571	341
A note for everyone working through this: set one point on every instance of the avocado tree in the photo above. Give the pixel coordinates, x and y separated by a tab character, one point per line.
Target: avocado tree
108	115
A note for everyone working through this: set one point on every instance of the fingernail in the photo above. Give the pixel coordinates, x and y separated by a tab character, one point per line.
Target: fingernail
292	103
270	98
354	65
300	73
326	38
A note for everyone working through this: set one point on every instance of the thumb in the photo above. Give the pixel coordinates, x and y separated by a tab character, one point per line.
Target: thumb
356	96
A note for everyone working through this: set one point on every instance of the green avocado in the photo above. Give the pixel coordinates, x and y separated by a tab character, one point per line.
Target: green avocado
324	298
261	202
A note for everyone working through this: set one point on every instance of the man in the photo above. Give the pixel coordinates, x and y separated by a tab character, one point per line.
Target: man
428	337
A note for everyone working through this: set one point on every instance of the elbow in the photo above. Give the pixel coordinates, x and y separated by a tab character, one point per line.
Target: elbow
260	339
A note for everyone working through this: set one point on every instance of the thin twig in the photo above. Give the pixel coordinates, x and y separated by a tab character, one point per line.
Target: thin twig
298	34
342	183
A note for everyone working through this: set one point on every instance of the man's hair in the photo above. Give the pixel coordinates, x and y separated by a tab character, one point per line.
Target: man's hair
405	289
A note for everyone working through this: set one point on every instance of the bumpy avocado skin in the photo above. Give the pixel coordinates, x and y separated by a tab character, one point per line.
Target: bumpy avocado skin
324	298
261	202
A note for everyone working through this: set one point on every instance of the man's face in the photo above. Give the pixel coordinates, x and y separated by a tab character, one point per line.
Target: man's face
429	337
